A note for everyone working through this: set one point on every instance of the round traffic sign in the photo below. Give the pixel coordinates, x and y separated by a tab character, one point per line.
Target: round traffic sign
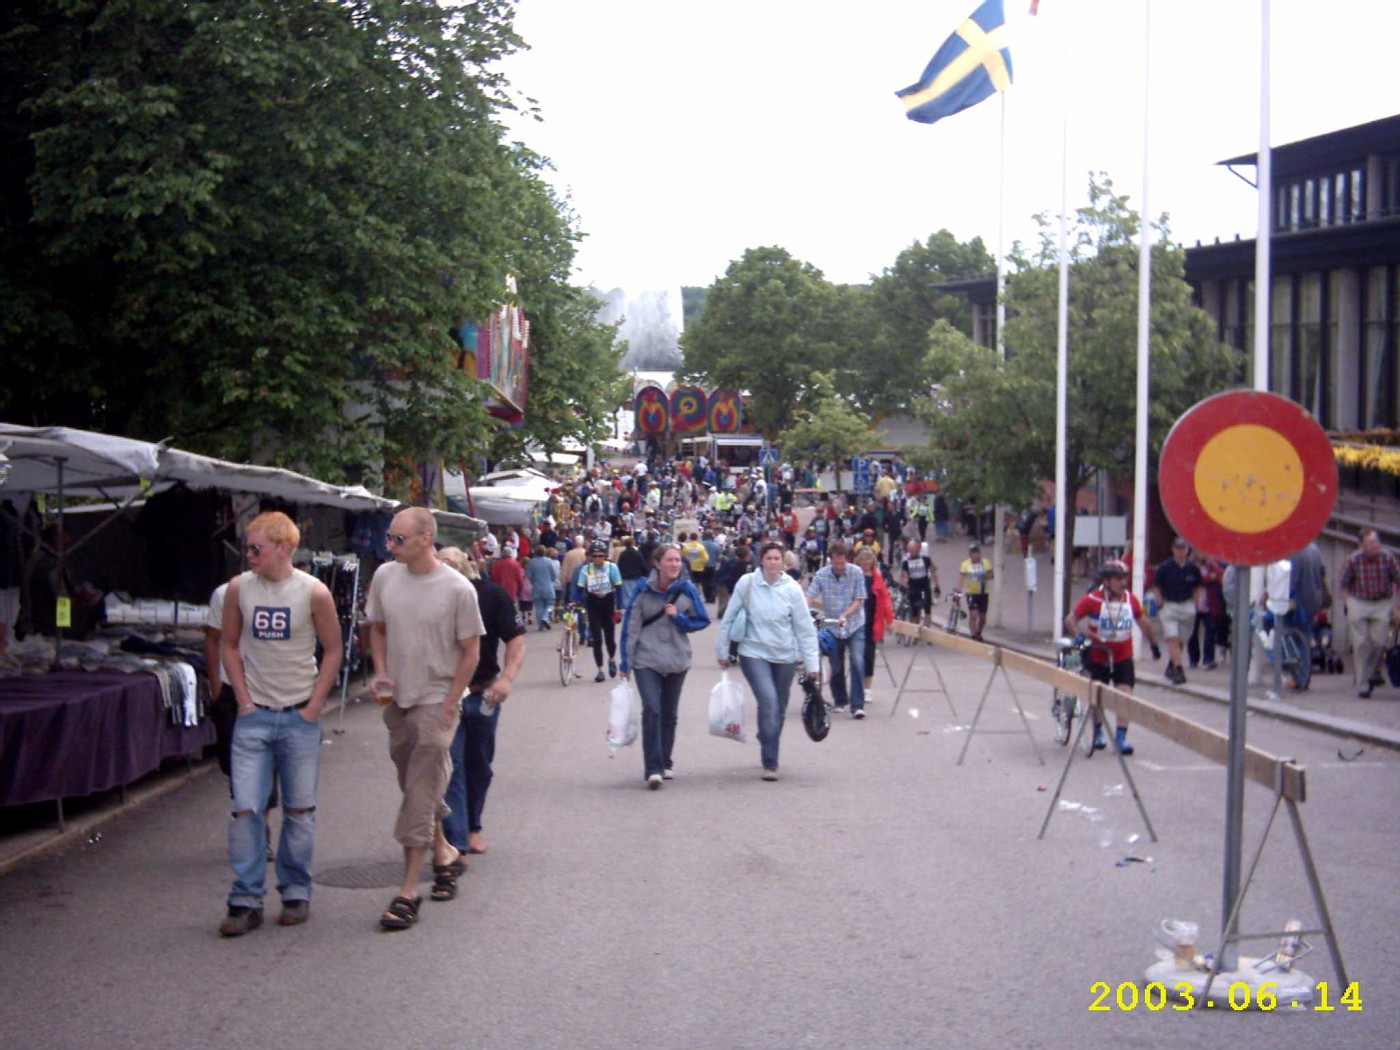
1248	477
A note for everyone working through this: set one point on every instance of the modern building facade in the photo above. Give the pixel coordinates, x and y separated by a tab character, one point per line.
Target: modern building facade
1335	263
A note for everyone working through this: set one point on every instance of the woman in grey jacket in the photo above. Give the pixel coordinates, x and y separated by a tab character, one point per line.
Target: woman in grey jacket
655	648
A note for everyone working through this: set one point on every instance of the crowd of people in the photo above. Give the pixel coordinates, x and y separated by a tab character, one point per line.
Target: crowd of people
651	551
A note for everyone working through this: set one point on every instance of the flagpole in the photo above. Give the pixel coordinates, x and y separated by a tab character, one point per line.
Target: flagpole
1064	516
999	518
1144	322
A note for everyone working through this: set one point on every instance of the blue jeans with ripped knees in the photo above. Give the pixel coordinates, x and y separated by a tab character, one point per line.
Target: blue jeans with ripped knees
268	743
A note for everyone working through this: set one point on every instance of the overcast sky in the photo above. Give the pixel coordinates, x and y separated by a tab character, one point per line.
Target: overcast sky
685	131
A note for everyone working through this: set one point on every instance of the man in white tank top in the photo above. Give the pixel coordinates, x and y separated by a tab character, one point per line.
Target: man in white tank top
273	617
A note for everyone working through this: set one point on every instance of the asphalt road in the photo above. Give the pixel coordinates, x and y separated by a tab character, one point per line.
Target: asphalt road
879	895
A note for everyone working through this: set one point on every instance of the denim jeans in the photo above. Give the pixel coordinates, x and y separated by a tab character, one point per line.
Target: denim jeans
661	701
854	649
267	743
543	604
771	684
473	749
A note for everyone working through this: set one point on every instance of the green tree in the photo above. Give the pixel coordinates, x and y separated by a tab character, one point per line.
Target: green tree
904	303
251	224
826	428
993	422
769	325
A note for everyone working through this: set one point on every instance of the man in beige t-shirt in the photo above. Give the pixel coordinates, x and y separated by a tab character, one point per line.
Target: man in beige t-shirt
425	631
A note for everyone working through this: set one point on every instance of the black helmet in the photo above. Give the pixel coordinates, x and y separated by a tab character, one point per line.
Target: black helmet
597	547
816	719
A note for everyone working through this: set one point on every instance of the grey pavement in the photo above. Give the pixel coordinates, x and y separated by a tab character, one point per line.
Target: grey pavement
879	895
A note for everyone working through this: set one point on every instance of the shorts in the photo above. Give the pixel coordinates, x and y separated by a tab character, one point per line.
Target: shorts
1178	619
920	596
978	601
420	746
1122	673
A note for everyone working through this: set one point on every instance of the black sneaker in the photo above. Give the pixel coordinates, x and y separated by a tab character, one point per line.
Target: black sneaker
612	668
600	676
240	920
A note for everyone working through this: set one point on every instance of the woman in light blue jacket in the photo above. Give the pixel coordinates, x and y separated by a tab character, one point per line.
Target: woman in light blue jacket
777	634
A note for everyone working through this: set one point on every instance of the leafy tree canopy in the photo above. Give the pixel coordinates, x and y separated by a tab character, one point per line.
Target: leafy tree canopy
768	326
826	428
993	422
251	224
904	304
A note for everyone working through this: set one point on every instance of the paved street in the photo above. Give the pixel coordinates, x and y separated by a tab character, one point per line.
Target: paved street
878	896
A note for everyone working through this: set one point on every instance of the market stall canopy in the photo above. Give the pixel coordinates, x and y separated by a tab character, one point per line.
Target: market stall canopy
111	467
506	504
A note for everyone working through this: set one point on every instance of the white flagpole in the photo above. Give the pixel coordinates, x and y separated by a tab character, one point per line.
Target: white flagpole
1144	322
1064	515
999	518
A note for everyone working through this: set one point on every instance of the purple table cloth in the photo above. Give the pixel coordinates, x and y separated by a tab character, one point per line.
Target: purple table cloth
69	734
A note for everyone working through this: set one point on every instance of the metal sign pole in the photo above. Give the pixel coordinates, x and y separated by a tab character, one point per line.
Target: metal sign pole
1234	773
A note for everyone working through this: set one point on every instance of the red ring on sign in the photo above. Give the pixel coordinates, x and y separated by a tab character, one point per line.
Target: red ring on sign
1177	475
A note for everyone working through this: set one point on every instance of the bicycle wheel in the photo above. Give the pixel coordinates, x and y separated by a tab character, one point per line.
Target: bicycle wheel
1297	658
568	649
1062	710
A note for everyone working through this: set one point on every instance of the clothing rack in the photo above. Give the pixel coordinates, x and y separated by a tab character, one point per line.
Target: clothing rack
341	575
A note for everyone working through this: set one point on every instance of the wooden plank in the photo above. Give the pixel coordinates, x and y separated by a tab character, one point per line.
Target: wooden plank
1259	766
958	643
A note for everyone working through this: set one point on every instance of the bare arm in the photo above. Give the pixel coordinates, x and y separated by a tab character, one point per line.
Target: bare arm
228	648
499	689
327	626
211	659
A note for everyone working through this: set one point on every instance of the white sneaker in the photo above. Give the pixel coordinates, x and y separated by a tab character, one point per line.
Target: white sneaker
858	713
654	781
770	774
668	774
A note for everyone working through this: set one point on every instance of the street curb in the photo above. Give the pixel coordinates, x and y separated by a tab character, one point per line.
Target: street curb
1342	727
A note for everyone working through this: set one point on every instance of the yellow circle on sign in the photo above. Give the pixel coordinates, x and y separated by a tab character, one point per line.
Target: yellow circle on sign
1249	478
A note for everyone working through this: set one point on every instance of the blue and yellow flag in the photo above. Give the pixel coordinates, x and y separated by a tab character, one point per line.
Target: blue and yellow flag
972	65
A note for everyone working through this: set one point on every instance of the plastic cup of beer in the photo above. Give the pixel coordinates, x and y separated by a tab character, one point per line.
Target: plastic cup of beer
384	693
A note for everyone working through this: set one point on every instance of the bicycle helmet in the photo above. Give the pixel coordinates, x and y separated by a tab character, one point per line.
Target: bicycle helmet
1112	567
826	642
816	719
597	547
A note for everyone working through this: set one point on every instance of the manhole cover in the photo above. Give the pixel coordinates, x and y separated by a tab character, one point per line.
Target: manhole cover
373	875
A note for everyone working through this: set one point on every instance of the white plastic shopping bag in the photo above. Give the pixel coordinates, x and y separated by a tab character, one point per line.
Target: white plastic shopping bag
727	709
624	716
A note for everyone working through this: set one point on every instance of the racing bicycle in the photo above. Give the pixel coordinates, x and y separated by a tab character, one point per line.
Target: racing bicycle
956	612
568	644
1066	707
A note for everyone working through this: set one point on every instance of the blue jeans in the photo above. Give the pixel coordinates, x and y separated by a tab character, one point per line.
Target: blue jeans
661	701
771	684
543	604
267	743
854	648
473	749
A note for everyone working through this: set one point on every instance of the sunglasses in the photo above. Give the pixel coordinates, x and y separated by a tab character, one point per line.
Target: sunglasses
397	538
252	548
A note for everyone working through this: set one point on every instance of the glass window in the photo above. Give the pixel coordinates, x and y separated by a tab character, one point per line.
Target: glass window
1374	332
1281	337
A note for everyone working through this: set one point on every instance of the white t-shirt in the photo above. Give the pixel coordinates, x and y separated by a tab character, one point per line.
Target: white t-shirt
425	616
215	621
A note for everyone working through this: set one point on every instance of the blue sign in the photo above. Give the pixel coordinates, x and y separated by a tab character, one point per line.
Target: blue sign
768	457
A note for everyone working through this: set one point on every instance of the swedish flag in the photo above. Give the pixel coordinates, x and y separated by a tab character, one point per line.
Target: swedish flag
972	65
